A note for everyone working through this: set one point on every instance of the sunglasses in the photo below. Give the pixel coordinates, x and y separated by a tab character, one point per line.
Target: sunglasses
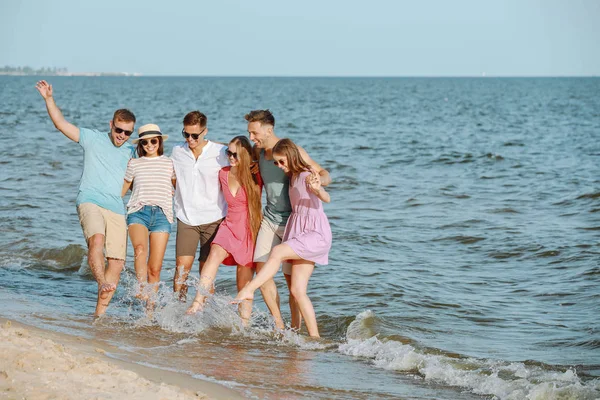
119	130
231	154
194	136
144	142
280	162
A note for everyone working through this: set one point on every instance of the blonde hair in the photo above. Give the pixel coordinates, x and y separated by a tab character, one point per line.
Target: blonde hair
249	182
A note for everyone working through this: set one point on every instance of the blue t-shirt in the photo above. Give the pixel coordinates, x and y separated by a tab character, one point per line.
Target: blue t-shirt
104	167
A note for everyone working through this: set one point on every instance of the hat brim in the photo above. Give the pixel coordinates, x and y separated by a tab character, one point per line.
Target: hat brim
151	135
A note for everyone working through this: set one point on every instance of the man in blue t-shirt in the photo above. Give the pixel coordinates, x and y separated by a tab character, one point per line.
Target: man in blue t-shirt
99	203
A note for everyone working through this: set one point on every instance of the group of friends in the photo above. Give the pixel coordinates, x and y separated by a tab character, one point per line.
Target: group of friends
213	191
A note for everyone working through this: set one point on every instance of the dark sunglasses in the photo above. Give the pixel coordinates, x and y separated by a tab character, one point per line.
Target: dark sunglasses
194	136
145	142
119	130
280	162
231	154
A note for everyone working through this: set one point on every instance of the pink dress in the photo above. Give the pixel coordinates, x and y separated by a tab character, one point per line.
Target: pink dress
234	233
307	231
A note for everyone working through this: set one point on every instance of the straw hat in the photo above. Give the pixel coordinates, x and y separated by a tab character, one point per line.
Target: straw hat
149	131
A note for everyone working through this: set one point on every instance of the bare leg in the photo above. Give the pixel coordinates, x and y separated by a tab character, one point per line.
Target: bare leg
301	272
207	276
294	310
182	270
243	276
271	296
138	234
158	246
278	254
112	275
97	262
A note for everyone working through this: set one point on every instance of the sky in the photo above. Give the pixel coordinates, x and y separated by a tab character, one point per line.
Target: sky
305	38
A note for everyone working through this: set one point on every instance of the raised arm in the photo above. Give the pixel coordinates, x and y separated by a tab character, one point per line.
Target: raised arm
59	121
323	173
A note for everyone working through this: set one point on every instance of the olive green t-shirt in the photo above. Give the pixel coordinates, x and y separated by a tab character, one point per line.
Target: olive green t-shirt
276	183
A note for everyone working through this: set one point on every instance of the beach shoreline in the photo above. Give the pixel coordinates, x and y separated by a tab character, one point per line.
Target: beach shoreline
41	364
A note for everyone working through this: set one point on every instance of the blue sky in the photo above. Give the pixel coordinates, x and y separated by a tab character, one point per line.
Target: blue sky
305	38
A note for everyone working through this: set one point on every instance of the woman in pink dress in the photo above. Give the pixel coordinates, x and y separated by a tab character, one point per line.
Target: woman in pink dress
307	237
234	241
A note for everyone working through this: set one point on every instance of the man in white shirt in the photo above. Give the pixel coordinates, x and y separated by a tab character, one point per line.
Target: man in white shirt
199	202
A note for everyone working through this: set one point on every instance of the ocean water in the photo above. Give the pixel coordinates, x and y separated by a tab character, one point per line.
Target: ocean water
466	223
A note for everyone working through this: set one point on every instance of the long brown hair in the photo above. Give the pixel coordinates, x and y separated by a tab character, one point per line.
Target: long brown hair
140	149
296	164
249	182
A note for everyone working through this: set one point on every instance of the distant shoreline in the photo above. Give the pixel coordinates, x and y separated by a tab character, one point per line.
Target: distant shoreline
137	74
71	74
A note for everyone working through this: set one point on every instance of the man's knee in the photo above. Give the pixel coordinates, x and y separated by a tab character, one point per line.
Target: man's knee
96	242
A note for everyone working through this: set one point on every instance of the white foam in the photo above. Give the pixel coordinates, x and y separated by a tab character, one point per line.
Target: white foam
504	380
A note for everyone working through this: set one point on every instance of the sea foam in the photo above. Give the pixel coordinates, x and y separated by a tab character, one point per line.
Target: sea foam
502	379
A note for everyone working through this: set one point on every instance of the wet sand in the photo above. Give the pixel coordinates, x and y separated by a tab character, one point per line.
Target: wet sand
38	365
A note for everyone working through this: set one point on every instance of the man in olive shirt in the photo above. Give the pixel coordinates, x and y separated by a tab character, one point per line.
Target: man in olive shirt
261	124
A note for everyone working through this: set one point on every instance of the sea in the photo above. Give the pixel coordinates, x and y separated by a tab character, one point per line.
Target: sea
466	235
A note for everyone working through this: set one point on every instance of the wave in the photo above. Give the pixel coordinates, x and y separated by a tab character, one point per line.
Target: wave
502	379
69	258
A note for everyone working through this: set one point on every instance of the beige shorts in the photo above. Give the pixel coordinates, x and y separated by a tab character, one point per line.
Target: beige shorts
95	219
189	236
269	236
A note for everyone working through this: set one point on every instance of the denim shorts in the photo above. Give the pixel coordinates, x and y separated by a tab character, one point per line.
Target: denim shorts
152	217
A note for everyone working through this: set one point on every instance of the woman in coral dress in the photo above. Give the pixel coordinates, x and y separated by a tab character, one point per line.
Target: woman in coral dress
234	241
307	237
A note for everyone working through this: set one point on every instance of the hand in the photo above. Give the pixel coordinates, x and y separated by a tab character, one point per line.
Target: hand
313	182
45	89
254	169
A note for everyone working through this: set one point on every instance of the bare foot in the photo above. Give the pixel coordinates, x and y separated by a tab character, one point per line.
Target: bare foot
244	294
279	323
142	294
107	287
196	306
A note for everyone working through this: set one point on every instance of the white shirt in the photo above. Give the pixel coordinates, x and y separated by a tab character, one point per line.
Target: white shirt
198	196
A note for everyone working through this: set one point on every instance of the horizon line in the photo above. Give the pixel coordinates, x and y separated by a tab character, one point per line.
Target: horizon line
141	75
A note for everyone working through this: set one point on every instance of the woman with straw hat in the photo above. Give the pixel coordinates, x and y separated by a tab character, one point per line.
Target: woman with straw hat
150	207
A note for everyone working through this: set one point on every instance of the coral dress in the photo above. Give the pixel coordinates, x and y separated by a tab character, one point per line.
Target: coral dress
307	231
234	234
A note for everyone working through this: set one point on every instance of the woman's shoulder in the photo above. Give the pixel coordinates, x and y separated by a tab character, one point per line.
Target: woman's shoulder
303	174
224	171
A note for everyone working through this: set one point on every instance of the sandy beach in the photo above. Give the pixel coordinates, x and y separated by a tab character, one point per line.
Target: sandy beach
38	365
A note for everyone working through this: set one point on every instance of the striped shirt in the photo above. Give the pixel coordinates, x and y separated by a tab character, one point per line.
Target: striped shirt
152	184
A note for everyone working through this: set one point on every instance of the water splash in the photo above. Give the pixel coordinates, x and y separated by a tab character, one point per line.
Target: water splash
502	379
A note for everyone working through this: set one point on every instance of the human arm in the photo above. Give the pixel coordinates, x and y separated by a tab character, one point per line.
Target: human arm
59	121
313	183
128	180
126	187
323	173
254	167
